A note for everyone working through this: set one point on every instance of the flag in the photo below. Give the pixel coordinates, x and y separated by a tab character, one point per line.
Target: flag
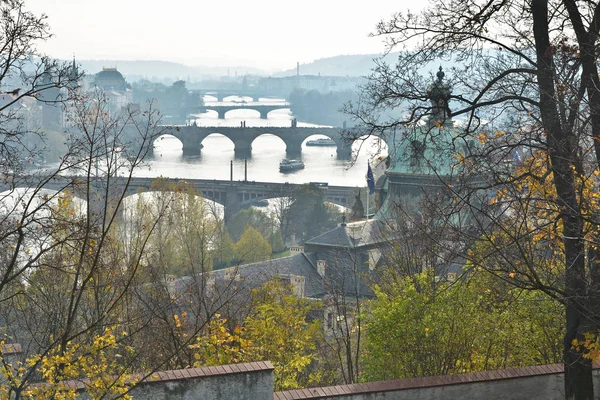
516	158
370	179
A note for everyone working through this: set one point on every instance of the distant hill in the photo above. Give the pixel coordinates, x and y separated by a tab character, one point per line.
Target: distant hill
345	65
164	70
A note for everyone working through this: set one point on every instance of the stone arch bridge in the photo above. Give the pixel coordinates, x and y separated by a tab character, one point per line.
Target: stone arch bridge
262	108
221	94
191	137
233	195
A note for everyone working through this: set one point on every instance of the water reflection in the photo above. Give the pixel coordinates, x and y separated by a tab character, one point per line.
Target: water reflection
268	150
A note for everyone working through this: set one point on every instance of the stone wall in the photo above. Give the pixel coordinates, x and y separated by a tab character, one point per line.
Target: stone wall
543	382
249	381
254	381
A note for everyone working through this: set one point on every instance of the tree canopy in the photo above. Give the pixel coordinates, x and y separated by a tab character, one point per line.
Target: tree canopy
522	83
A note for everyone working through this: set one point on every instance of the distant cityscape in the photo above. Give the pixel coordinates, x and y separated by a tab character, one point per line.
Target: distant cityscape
178	96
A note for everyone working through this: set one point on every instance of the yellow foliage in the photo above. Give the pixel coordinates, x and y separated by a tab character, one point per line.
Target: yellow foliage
590	346
277	331
95	365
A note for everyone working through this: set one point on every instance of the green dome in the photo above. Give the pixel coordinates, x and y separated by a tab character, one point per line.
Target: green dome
424	157
425	151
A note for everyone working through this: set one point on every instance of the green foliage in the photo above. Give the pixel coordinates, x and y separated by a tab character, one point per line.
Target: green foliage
224	250
280	330
421	327
309	215
175	101
252	247
182	229
257	219
276	241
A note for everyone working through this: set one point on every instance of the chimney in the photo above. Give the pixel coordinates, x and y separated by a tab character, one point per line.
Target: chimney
295	248
321	267
297	68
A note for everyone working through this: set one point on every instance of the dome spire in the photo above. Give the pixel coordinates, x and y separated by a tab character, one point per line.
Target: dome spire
439	95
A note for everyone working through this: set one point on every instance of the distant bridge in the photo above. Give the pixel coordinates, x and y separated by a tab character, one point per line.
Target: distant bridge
221	94
233	195
242	137
262	108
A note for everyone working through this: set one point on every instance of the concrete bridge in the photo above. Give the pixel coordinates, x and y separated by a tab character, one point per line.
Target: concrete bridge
242	137
233	195
262	108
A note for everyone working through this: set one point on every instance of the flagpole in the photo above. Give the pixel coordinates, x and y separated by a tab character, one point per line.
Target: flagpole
368	189
368	203
370	185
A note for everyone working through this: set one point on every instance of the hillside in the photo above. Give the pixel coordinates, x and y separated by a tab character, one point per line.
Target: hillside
343	65
164	70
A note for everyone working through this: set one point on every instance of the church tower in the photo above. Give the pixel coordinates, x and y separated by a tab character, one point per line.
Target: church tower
422	157
439	96
73	76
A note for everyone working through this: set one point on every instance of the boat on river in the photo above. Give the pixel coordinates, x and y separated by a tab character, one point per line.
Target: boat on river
290	165
321	142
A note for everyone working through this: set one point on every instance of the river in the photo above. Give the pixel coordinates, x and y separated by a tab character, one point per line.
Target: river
321	163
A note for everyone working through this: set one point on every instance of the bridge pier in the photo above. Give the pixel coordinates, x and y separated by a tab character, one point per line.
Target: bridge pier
191	147
344	150
243	148
221	114
293	148
231	203
191	151
264	114
344	154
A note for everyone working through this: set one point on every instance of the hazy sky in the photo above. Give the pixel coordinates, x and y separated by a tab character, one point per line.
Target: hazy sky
270	34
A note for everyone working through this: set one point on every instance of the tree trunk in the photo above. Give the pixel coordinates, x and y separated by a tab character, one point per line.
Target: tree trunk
563	156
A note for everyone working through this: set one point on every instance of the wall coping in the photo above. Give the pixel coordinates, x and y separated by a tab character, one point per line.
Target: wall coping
188	373
423	382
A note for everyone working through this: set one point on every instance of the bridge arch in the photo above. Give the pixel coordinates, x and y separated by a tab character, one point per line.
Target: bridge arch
167	141
372	145
318	135
262	108
212	97
278	111
151	194
209	113
236	98
236	114
258	142
217	141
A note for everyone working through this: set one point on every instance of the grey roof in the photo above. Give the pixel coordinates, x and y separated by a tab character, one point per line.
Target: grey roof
353	235
110	74
250	276
254	275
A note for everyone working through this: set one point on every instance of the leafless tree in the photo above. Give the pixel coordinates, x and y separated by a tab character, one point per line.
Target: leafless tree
527	69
